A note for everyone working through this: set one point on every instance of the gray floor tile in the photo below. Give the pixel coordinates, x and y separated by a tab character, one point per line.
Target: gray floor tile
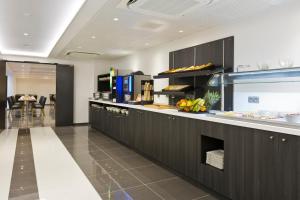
151	174
177	189
104	183
133	161
138	193
121	151
110	165
125	179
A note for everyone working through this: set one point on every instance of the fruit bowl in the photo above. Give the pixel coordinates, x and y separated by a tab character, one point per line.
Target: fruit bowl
191	105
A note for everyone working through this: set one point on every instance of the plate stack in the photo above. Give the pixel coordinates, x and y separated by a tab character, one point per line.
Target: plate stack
215	158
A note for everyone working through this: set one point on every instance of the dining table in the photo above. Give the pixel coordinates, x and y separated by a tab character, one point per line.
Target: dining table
27	100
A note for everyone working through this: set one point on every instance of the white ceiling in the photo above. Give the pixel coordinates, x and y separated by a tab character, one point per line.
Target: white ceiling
148	23
31	70
32	27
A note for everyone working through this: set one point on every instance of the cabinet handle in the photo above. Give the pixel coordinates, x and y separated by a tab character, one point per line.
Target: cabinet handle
169	117
173	118
283	140
271	137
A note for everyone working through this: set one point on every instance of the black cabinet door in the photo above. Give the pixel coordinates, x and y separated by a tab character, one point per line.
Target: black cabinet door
192	134
139	135
289	171
234	159
178	128
261	166
124	132
149	137
92	116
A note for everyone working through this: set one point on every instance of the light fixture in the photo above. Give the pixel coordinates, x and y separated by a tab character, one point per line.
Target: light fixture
116	19
180	31
79	47
68	15
27	14
147	44
26	34
93	37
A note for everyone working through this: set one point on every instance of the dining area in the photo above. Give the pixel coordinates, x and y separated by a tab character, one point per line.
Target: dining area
30	110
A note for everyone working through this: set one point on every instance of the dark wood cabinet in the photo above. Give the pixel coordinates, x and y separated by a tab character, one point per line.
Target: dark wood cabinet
272	166
258	164
289	167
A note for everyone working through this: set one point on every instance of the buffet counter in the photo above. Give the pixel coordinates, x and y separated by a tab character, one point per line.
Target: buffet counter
248	123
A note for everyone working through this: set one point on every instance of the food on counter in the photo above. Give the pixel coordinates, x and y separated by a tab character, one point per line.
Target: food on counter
148	87
176	87
293	118
160	106
211	98
191	68
191	105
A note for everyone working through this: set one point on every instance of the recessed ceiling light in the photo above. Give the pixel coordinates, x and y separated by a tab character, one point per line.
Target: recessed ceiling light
180	31
116	19
147	44
93	37
79	47
26	34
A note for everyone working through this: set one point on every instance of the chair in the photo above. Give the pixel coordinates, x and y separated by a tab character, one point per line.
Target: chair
52	99
17	96
12	107
40	105
34	95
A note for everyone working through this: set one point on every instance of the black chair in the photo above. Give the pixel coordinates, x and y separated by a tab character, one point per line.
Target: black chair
17	96
40	105
34	95
52	99
12	107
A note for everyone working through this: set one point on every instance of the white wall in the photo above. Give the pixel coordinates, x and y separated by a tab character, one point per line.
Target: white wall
38	86
84	80
264	38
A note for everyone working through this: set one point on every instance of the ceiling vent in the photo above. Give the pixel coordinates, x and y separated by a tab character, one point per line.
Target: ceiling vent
82	54
163	8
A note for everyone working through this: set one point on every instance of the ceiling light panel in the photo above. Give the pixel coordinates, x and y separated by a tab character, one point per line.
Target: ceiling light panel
46	23
168	9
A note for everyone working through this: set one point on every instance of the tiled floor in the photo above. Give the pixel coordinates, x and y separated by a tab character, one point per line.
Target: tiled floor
19	120
117	172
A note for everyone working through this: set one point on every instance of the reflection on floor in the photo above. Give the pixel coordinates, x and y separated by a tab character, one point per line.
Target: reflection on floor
119	173
19	120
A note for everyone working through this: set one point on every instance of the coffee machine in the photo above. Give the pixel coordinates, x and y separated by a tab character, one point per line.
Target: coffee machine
132	86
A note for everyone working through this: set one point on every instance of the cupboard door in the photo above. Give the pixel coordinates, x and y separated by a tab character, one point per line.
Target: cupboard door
289	172
150	145
92	115
191	147
139	135
234	159
178	131
124	132
261	166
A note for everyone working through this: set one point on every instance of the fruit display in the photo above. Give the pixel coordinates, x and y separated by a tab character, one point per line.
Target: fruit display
191	68
211	98
199	105
191	105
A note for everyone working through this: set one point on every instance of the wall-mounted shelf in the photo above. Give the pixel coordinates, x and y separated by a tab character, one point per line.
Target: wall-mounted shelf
189	74
171	93
261	76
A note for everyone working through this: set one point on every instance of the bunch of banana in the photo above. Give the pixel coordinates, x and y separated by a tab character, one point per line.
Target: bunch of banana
191	105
